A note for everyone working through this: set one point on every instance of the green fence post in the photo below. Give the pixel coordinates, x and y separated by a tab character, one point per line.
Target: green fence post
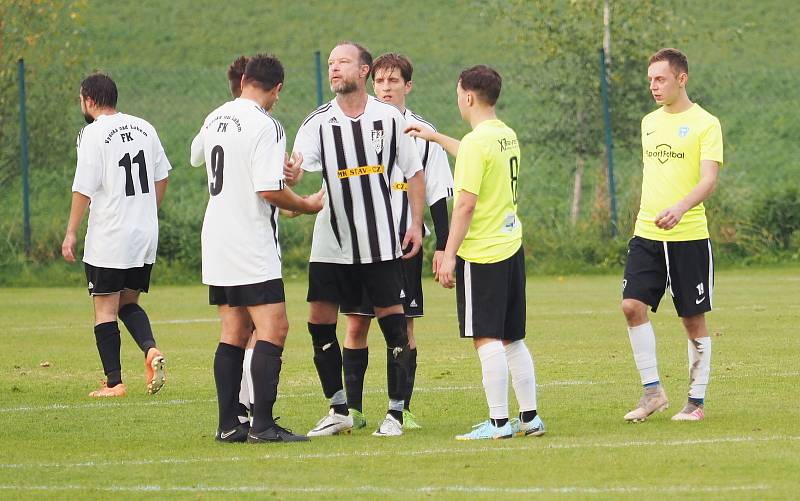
317	58
23	139
609	143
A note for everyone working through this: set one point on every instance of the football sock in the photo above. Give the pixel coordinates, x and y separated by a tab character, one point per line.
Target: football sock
527	416
107	337
339	403
138	324
396	409
355	363
523	375
398	354
327	357
699	367
495	378
228	376
266	370
643	344
500	422
412	374
246	396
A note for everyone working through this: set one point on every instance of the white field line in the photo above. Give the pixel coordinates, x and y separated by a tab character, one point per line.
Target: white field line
451	451
478	489
106	404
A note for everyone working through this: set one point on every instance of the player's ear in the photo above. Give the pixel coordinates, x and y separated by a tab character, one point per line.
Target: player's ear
278	87
683	78
409	85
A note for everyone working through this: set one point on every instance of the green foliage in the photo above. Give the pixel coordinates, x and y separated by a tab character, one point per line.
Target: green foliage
775	217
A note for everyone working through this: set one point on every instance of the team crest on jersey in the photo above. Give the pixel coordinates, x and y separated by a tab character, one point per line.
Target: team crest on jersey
683	131
377	140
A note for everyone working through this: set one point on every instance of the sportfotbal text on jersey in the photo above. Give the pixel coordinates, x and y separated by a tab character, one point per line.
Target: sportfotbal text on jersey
126	133
360	171
663	153
507	144
223	126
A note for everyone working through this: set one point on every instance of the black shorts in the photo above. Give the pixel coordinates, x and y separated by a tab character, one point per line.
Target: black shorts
344	284
104	281
269	292
491	298
686	269
411	293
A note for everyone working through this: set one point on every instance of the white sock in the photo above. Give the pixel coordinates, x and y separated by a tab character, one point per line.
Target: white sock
495	378
246	389
643	343
523	375
699	366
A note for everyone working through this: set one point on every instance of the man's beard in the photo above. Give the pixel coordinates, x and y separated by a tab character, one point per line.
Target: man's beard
344	87
89	119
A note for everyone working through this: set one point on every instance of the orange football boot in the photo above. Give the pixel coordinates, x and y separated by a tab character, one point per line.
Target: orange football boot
154	364
104	391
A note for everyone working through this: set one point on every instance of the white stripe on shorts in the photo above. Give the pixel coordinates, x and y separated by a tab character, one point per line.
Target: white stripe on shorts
710	275
468	300
666	260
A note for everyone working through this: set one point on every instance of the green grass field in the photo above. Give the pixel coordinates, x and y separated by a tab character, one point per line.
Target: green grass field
58	443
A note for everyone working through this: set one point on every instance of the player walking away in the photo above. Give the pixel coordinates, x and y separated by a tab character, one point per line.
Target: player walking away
391	78
484	249
121	175
670	249
357	142
244	149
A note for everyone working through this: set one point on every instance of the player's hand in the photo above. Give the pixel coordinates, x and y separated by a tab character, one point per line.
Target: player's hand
412	241
68	247
420	132
436	262
315	202
291	168
289	213
446	273
669	218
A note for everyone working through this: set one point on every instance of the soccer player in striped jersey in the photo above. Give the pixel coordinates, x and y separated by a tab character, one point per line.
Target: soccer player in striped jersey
357	141
121	177
484	250
670	248
391	79
244	149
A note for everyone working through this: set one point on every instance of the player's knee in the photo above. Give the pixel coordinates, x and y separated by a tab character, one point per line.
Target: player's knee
322	334
634	310
394	330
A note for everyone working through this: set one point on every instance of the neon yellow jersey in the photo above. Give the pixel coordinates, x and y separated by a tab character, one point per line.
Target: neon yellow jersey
673	145
487	165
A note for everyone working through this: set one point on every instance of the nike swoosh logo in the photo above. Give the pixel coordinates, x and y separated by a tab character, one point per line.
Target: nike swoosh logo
648	133
326	346
227	434
698	301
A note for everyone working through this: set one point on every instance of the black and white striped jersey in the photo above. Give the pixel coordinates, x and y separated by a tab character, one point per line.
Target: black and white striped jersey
243	148
438	178
357	158
120	158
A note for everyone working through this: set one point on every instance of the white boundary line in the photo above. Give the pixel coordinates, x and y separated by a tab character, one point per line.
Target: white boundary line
478	489
466	450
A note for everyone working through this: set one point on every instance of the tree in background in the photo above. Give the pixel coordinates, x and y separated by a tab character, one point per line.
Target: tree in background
47	34
562	75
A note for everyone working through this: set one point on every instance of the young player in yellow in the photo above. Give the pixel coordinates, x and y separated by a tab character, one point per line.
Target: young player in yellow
484	250
670	249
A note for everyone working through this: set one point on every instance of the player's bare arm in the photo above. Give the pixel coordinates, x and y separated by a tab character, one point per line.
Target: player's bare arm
459	226
416	199
161	189
80	203
671	216
449	144
291	201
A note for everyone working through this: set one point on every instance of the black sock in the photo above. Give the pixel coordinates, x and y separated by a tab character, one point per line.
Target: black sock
412	374
228	378
398	415
266	370
107	337
398	354
327	357
355	363
137	323
527	416
500	422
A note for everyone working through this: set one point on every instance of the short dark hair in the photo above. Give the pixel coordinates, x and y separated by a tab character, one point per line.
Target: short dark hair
482	80
101	88
364	56
676	59
392	60
264	70
235	72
